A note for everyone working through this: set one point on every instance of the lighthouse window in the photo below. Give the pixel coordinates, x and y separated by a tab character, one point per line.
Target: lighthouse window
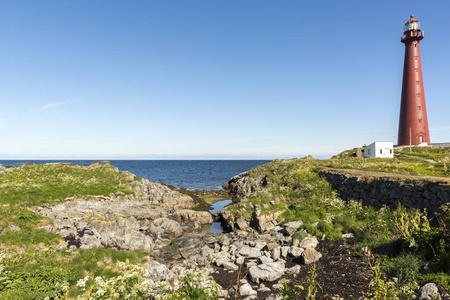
417	69
418	94
416	57
420	120
417	82
419	107
381	151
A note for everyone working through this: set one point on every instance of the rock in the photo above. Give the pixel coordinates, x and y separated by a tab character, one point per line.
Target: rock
309	242
240	260
428	291
262	223
270	246
156	271
242	224
275	253
230	266
119	223
310	256
264	260
266	272
220	261
295	251
249	252
284	251
224	240
263	288
167	226
293	270
291	227
243	186
348	235
259	245
251	263
188	247
246	290
188	215
277	286
162	240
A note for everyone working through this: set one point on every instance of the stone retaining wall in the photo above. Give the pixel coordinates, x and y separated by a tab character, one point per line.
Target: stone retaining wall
384	190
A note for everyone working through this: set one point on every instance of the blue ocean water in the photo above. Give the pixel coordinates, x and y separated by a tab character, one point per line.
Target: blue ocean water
191	174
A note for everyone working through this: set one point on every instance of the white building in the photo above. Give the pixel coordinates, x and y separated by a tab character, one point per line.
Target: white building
379	149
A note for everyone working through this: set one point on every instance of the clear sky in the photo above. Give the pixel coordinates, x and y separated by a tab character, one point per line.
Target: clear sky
195	79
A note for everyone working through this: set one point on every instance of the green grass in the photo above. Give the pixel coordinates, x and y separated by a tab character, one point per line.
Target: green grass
35	185
32	185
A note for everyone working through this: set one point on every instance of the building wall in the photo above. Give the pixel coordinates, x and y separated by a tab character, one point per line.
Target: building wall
379	149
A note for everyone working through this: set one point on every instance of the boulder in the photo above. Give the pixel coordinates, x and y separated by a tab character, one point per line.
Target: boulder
199	217
428	291
165	225
230	266
293	270
249	252
310	256
296	251
308	242
246	290
266	272
291	227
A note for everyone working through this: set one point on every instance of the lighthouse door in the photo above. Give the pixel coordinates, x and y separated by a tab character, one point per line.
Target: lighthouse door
420	139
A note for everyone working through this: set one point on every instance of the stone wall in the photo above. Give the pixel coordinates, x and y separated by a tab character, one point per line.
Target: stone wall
420	192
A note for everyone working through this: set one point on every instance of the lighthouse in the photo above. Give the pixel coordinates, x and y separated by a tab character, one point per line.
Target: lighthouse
413	125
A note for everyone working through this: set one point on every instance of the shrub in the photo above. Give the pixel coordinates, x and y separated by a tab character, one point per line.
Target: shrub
405	268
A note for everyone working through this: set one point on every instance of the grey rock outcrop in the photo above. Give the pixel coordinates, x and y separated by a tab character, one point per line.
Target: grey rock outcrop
244	185
124	222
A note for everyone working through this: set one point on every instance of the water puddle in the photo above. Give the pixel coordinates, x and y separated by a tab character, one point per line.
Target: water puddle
215	208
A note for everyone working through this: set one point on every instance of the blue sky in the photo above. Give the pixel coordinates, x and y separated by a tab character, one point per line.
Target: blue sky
211	79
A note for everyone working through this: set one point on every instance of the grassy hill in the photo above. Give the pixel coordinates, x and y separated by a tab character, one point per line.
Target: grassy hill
403	240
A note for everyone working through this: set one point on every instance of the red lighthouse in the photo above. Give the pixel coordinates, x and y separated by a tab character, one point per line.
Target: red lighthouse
413	126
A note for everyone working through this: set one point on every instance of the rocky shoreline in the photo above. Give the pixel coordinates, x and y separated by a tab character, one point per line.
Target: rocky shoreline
168	225
253	258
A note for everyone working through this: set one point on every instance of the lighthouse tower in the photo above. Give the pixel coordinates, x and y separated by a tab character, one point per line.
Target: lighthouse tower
413	125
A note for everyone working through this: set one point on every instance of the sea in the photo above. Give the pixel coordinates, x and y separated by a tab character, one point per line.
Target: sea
190	174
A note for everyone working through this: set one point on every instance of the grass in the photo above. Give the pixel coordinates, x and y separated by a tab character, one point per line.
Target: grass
35	185
32	185
34	274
